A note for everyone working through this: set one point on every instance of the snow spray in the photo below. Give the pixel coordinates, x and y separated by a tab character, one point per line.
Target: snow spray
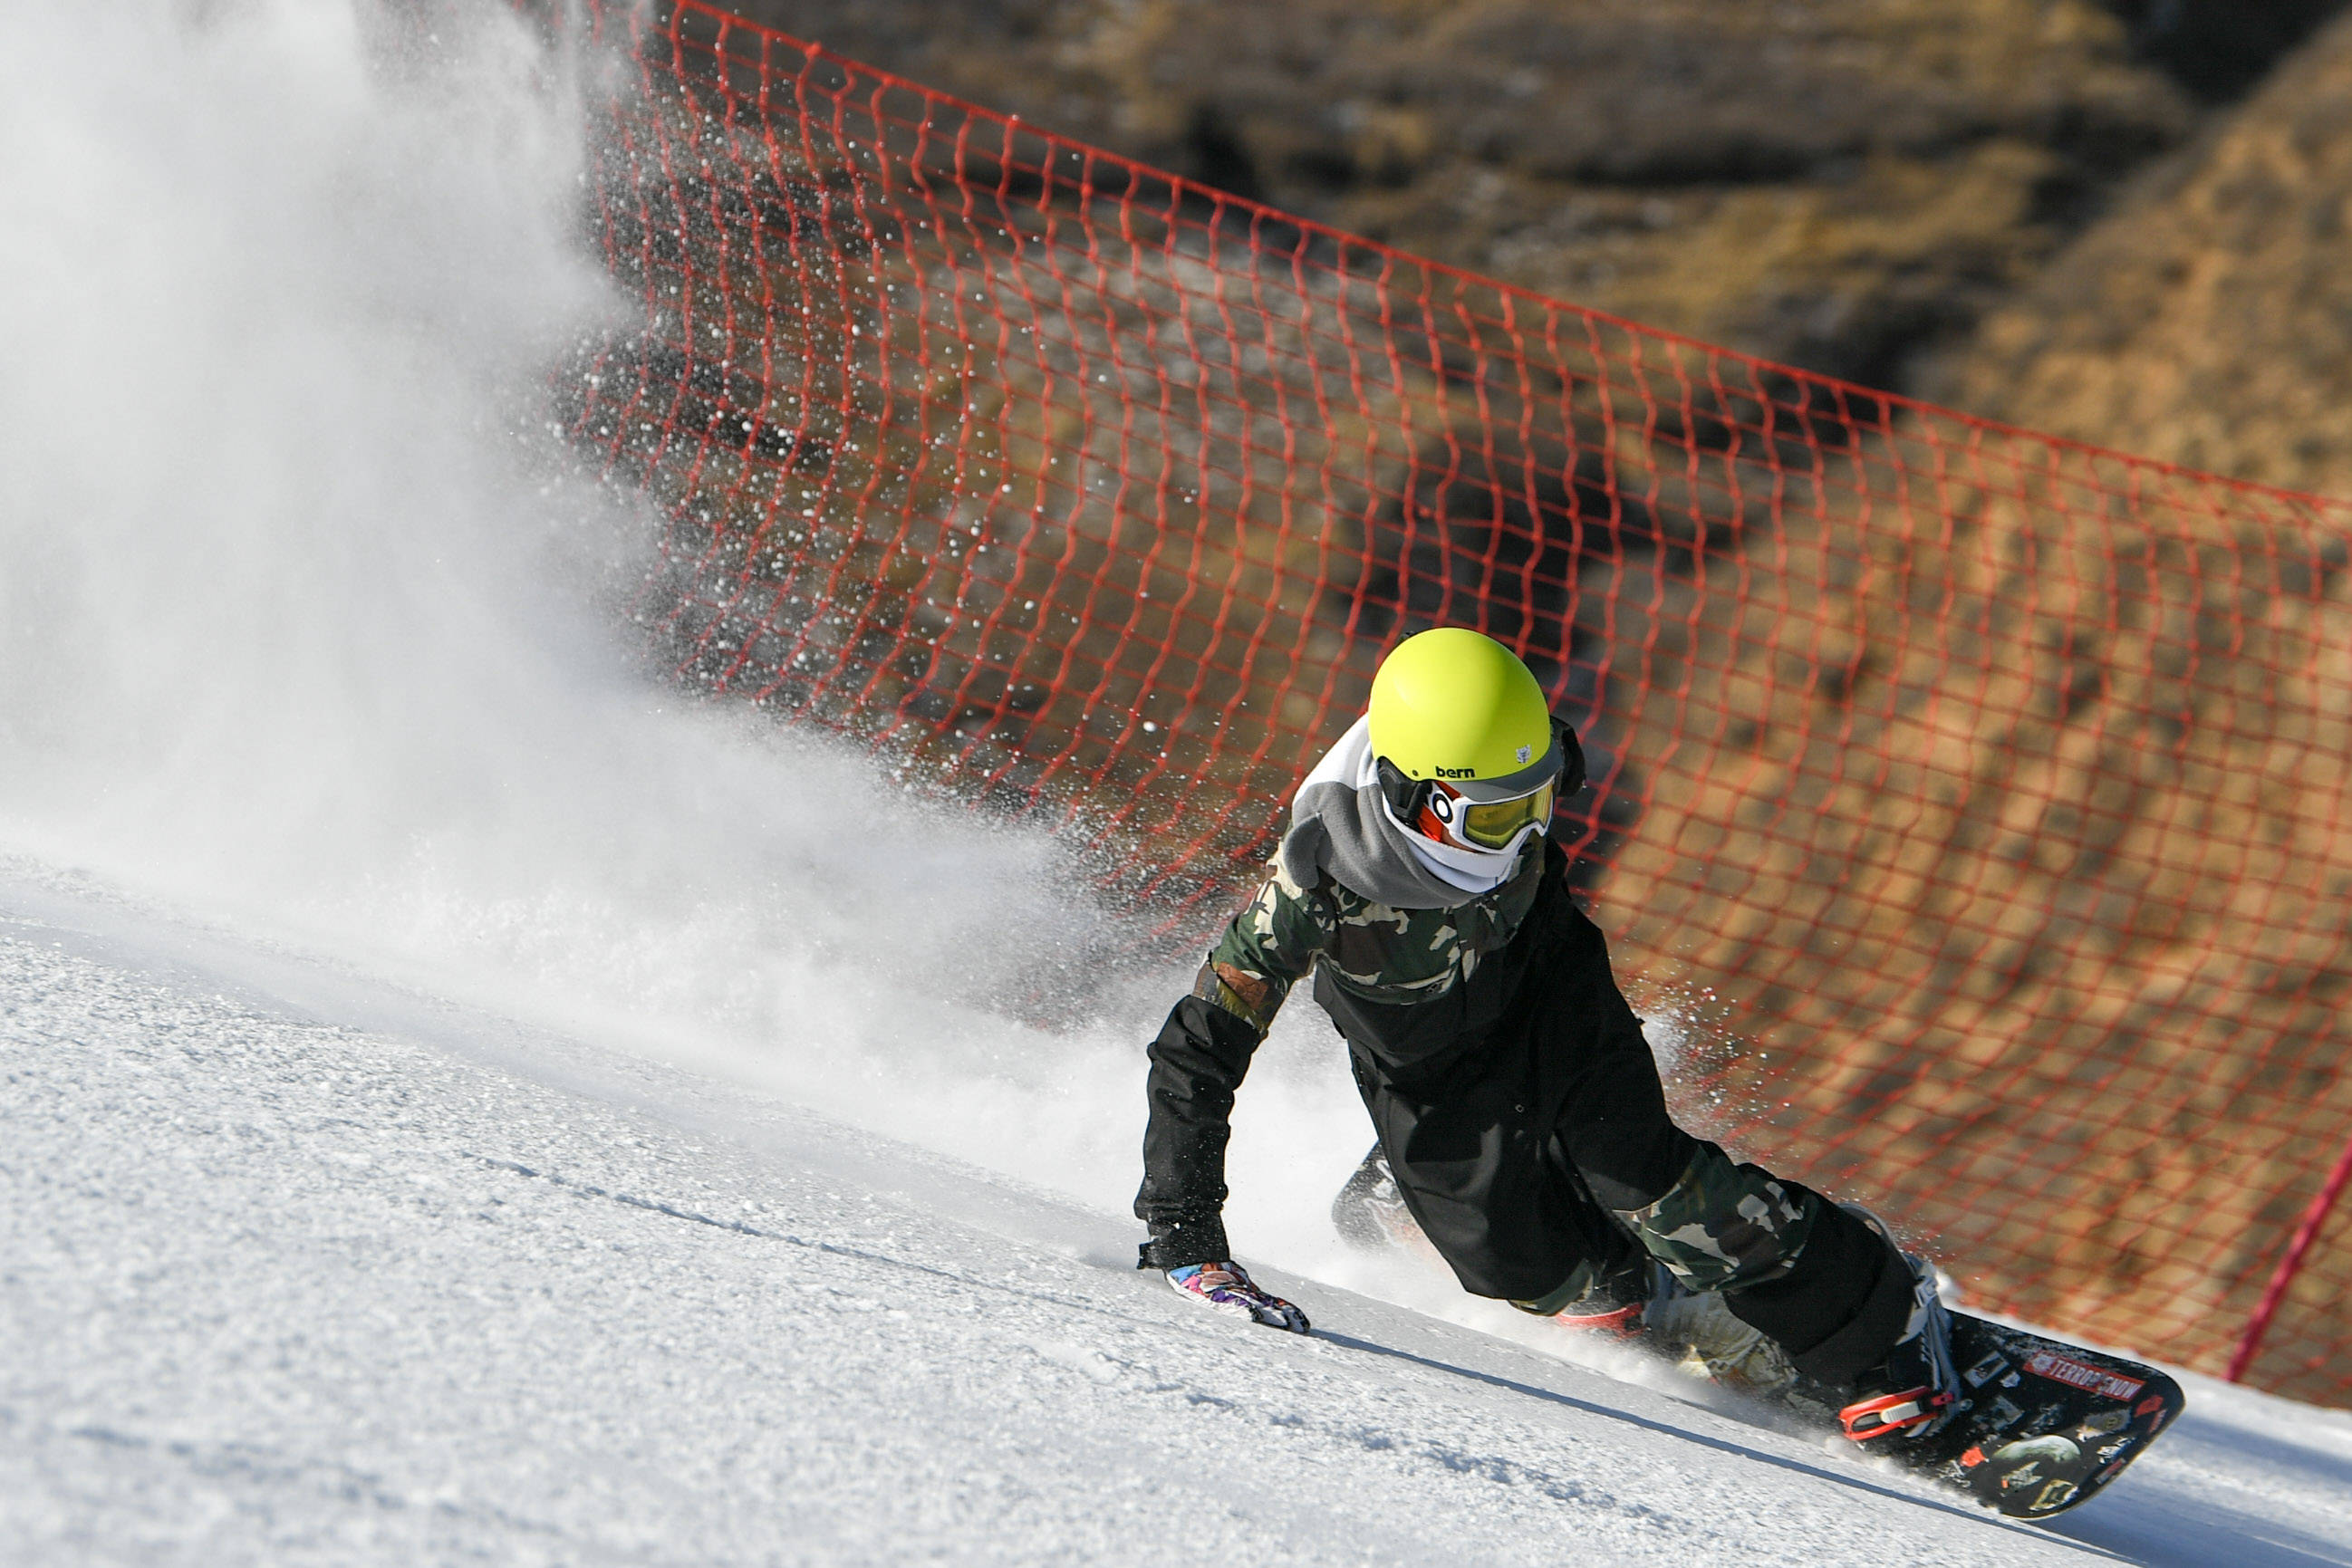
308	625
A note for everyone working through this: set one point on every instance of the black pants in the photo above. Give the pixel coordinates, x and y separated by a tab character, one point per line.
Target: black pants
1527	1132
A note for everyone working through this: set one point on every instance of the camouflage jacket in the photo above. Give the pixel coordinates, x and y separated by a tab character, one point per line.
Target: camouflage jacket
1397	982
1370	951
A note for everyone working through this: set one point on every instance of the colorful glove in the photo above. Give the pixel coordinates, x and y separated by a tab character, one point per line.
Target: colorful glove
1224	1286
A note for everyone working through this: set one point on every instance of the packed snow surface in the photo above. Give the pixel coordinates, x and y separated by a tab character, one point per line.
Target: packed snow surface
296	1266
461	1102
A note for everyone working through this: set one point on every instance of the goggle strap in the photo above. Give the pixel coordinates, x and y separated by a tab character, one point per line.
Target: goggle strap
1403	795
1571	761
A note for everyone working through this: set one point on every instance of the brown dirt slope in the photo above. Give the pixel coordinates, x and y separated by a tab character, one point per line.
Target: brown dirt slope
2208	320
1989	793
1833	185
1996	813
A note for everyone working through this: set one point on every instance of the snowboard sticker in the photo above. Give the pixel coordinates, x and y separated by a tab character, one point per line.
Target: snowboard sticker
2041	1426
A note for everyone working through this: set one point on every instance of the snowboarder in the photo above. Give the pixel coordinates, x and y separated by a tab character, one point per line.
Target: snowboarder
1517	1108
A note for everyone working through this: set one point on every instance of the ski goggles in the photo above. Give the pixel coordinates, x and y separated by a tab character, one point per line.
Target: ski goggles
1485	824
1490	814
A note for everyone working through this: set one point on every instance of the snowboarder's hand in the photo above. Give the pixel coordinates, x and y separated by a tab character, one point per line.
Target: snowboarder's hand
1222	1285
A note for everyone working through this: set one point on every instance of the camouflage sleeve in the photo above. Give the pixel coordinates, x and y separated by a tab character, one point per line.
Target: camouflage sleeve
1266	949
1198	1062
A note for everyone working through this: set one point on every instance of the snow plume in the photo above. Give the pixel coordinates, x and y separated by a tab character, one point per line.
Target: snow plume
303	626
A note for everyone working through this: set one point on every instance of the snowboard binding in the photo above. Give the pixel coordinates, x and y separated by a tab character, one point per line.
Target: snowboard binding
1914	1391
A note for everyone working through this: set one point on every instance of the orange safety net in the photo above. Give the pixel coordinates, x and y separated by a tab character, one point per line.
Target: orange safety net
1969	809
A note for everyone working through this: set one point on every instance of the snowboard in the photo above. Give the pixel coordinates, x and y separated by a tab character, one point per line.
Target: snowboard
2038	1425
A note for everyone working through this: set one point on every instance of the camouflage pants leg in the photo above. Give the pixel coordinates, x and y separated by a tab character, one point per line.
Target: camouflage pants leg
1716	1224
1535	1154
1824	1286
1818	1281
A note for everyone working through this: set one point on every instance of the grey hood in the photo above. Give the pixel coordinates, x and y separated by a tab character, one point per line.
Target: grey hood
1341	824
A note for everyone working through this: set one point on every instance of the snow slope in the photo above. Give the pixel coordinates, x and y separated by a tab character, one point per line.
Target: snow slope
354	892
296	1266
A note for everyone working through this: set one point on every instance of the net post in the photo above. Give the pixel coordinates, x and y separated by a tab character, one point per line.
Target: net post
2290	1264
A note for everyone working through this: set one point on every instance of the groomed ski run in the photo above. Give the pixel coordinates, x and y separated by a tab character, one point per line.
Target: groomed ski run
303	1267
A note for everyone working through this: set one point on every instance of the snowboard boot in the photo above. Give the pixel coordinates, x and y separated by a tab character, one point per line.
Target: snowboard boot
1643	1305
1616	1306
1910	1394
1370	1212
1697	1330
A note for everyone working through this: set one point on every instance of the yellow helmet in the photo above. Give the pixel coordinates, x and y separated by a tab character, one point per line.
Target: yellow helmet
1467	749
1457	705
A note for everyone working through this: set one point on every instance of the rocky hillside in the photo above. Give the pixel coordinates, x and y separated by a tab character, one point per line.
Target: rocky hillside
1840	183
2209	319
